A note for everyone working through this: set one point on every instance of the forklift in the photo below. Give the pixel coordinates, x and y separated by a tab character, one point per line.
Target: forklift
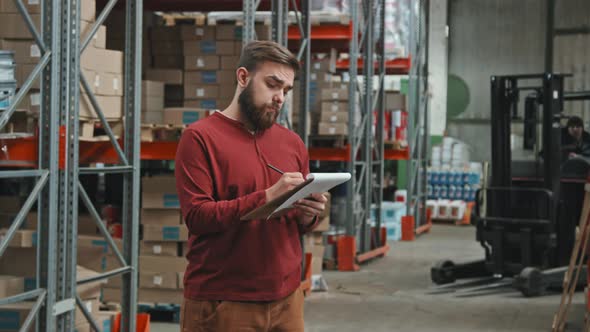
526	218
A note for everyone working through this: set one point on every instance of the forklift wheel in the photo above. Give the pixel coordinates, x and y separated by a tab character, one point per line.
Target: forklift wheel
442	272
530	282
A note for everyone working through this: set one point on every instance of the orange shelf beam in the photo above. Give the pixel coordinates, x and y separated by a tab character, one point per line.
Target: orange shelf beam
395	66
377	252
323	32
22	152
343	154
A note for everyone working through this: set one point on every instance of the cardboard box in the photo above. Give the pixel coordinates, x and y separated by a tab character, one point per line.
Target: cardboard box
102	61
10	204
87	10
201	91
108	84
323	225
263	31
12	26
164	33
162	263
152	117
229	62
168	76
334	106
89	290
165	233
152	104
317	259
323	79
227	93
169	61
99	40
14	315
184	115
166	47
11	285
184	249
201	62
8	6
395	101
188	32
208	47
221	77
159	192
180	276
335	94
99	243
22	73
111	106
152	88
228	32
158	248
166	280
173	296
23	238
208	104
25	51
334	117
332	128
173	92
161	217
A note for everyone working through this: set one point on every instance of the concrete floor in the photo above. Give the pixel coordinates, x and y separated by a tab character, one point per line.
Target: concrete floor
390	294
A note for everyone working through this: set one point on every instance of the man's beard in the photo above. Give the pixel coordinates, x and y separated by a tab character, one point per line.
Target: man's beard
257	116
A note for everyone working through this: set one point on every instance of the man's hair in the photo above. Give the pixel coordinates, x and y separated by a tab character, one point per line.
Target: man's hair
257	52
575	121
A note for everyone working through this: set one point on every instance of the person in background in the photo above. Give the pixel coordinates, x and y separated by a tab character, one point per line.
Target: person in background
575	141
245	275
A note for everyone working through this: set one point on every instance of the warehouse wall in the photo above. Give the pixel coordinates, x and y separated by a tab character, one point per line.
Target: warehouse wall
572	53
488	37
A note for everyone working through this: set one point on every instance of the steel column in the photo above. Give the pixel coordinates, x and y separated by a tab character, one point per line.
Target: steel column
132	108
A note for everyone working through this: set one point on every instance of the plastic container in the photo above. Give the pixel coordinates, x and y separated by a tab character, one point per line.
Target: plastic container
432	206
457	210
401	195
7	67
7	93
443	209
444	192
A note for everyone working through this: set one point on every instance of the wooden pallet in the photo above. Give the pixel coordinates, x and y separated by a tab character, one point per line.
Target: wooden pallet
172	19
153	132
328	141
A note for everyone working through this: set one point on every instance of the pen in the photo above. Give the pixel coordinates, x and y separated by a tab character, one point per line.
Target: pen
275	169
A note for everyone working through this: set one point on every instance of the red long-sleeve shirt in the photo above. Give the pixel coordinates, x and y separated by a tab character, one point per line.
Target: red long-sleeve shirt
221	174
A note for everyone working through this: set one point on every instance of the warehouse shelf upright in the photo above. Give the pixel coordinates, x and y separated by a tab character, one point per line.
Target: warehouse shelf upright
418	118
54	156
366	150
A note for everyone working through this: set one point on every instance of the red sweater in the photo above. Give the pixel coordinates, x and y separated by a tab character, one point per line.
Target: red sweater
221	174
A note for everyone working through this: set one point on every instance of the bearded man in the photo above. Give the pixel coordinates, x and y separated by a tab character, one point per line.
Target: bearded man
245	275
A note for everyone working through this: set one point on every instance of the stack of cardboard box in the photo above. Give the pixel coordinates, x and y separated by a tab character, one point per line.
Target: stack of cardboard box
314	244
152	101
334	111
209	63
16	313
161	266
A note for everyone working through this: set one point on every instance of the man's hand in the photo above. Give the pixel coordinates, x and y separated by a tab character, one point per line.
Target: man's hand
287	182
310	207
573	155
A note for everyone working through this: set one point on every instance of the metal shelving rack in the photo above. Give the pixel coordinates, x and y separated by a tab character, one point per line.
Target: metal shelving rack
280	22
366	159
418	117
58	168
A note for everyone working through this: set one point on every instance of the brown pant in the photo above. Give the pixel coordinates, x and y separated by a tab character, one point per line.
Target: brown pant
281	315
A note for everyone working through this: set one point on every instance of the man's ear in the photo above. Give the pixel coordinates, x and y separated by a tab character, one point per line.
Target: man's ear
243	77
